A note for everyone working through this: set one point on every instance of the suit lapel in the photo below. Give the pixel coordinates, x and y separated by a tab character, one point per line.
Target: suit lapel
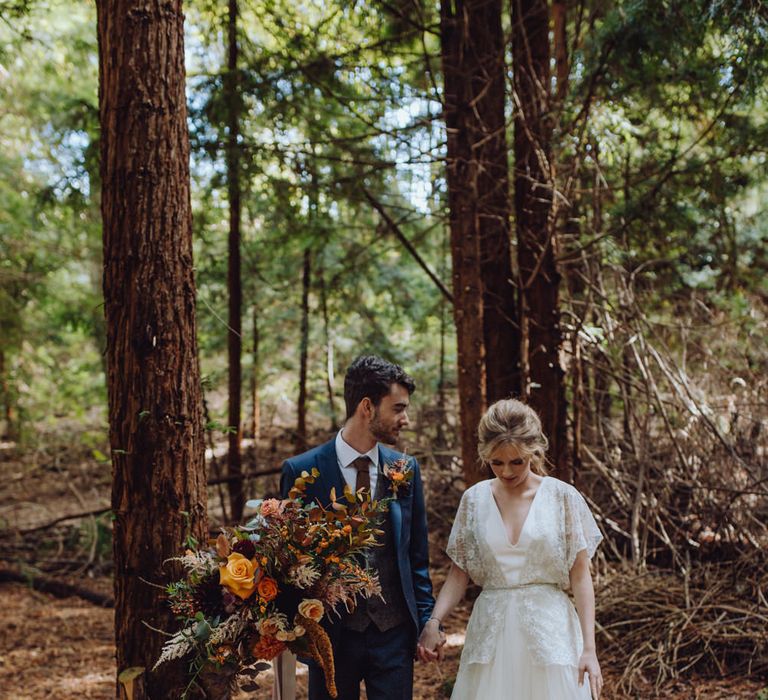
330	473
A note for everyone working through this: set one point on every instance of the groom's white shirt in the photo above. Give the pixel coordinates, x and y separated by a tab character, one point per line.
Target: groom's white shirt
346	454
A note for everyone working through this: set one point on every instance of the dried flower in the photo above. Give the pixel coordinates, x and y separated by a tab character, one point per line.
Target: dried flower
399	473
287	568
267	648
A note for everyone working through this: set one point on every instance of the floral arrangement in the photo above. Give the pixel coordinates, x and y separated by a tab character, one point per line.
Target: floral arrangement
399	473
264	587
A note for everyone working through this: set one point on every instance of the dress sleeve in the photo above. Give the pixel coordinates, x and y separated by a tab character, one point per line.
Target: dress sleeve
581	531
459	541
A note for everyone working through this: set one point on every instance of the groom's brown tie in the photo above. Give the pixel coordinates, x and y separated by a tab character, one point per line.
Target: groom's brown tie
363	475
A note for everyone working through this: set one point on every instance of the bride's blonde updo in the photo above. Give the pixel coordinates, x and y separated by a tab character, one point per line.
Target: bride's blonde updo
511	422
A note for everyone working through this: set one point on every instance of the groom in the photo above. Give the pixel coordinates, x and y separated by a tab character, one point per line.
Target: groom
376	643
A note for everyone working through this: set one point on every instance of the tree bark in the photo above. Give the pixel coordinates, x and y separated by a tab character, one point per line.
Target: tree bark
234	282
301	427
562	69
329	361
155	408
534	217
6	401
485	71
458	65
255	401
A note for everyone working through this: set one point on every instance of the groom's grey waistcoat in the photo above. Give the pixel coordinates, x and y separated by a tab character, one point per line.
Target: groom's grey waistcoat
392	611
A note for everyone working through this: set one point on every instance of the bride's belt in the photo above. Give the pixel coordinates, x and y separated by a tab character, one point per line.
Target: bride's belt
516	586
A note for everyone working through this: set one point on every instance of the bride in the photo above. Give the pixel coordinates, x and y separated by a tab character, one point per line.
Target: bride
523	537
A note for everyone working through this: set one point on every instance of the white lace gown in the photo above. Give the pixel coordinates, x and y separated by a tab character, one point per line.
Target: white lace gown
523	639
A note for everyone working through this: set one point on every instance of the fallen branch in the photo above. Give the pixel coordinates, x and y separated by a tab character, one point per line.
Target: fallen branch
60	589
61	519
100	511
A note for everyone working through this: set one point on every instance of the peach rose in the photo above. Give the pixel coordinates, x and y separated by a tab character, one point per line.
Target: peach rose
238	574
311	608
271	507
268	588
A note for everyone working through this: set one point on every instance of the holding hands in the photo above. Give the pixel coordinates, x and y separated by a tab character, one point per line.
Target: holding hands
431	641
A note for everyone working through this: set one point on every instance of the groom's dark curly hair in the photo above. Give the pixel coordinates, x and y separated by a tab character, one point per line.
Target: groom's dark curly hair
371	377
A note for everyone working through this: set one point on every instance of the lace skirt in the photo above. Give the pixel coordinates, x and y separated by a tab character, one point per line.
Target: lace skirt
512	673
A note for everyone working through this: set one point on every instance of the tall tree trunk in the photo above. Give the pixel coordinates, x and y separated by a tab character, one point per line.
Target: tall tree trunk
441	382
214	462
458	59
562	68
534	216
155	408
575	271
6	399
485	72
301	426
234	282
12	335
329	361
255	401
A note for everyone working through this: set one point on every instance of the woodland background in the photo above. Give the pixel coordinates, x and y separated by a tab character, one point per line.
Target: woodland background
563	201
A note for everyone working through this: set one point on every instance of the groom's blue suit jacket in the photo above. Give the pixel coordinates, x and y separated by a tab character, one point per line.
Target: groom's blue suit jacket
407	514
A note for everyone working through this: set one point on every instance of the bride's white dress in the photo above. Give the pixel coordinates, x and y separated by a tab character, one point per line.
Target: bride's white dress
523	639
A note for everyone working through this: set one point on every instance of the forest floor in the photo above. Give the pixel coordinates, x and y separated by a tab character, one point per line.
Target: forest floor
62	648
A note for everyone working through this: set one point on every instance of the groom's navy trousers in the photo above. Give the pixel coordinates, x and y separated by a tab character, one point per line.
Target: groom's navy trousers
383	660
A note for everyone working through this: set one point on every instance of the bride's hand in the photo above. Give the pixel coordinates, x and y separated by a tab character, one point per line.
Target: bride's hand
430	646
588	662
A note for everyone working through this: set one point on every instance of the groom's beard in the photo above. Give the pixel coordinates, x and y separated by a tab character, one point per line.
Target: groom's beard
383	433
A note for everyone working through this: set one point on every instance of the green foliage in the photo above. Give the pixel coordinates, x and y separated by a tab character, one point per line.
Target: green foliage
50	258
666	111
320	91
678	130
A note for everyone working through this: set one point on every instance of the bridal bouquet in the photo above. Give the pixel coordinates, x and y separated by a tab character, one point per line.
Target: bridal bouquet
264	587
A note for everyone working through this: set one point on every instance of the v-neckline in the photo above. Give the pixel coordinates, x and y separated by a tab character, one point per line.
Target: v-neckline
527	515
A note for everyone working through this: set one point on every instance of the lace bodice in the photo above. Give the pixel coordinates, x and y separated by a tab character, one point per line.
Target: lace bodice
532	574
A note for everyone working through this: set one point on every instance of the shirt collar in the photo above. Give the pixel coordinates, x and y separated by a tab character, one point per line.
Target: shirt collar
348	454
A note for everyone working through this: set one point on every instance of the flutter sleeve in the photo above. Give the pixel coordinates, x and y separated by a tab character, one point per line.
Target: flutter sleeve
460	543
581	531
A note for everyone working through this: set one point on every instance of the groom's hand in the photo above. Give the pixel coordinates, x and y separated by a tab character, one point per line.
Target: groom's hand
431	641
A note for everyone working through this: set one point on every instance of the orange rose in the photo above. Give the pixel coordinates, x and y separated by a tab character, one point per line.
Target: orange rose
397	476
238	575
268	588
311	608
